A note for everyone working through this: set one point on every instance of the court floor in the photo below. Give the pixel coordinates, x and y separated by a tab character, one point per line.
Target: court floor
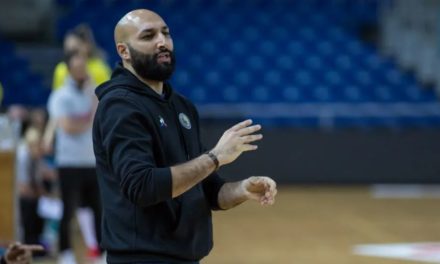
322	224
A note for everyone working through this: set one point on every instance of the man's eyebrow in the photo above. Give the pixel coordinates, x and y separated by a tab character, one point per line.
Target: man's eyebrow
149	30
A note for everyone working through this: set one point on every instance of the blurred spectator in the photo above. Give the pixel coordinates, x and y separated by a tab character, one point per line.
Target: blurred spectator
17	114
72	108
31	171
81	38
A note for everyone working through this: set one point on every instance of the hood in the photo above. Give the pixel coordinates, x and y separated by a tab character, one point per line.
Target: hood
123	79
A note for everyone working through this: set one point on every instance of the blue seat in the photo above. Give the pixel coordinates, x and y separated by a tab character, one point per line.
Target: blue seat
255	51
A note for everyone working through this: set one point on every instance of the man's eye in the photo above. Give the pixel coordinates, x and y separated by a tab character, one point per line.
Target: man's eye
166	33
147	37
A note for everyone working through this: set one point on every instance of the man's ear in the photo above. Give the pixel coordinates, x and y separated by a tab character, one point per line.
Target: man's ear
123	51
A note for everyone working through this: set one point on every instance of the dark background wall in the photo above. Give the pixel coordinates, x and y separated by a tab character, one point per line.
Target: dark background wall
292	155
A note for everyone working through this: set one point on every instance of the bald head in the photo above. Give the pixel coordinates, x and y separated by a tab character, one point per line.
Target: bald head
135	21
144	43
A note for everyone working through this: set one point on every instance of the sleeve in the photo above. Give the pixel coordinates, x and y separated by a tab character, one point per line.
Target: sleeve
213	183
58	106
211	187
59	75
22	164
127	141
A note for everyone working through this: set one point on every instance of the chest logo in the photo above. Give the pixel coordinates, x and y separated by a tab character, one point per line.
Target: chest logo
184	120
162	122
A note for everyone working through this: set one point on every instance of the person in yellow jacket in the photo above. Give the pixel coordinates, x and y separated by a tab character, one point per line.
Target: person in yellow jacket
81	38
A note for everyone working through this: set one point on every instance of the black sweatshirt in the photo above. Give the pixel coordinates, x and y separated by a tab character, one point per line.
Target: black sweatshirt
137	135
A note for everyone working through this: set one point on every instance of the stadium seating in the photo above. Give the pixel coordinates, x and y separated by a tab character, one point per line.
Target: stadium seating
20	85
277	59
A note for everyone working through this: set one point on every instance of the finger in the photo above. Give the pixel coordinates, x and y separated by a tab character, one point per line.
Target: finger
255	197
256	179
268	201
271	201
268	194
15	252
269	183
248	147
32	247
265	202
259	180
273	188
22	261
14	246
248	130
241	125
251	138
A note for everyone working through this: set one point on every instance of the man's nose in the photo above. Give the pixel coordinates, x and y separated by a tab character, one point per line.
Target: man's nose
161	41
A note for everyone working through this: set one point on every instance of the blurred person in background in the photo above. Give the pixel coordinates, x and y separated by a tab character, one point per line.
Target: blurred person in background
81	38
157	183
72	107
17	114
32	173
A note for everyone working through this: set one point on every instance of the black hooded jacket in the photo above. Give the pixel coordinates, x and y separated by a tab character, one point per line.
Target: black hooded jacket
137	136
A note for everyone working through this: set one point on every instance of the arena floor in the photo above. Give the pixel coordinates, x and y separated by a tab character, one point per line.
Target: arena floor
314	225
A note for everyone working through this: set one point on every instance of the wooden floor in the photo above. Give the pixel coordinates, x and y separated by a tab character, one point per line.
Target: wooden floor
314	225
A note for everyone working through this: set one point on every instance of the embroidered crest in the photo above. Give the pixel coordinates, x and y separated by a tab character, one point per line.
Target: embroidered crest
184	120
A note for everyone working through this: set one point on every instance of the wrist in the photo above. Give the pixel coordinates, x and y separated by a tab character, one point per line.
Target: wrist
214	159
218	156
243	189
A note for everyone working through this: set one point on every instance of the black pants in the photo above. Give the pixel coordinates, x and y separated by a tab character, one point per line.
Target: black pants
32	223
78	186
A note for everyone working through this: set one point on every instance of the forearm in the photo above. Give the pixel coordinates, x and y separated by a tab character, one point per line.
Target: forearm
231	194
188	174
75	125
49	134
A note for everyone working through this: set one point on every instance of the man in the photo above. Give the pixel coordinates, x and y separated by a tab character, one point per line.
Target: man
18	253
157	184
72	108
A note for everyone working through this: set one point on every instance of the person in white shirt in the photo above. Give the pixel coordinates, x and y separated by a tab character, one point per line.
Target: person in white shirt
73	108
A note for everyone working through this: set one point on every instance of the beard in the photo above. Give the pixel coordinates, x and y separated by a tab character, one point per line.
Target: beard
147	67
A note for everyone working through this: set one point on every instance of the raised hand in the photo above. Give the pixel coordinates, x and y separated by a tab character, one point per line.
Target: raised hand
236	140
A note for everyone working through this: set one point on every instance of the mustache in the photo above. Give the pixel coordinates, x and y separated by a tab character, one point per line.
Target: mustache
162	50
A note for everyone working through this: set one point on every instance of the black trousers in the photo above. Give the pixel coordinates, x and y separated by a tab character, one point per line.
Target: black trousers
32	223
78	186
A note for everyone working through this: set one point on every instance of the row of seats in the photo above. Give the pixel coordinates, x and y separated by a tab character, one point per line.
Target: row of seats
20	84
255	51
304	51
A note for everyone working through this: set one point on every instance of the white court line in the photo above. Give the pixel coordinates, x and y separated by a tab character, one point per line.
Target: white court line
405	191
428	252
